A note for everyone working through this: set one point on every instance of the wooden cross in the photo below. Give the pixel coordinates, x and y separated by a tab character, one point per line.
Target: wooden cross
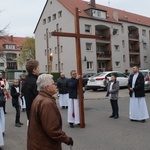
77	36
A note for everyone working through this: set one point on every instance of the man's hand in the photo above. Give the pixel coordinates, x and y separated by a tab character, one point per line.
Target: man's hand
78	76
131	89
70	142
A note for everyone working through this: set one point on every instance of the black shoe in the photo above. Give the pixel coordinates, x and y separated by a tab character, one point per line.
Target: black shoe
20	123
5	112
66	107
1	148
3	134
17	125
112	116
71	125
133	120
143	121
63	107
116	117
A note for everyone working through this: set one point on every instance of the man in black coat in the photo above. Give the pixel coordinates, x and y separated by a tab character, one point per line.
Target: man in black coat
73	103
63	91
30	87
138	108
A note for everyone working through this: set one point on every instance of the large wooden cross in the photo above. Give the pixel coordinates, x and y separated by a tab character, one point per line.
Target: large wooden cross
77	36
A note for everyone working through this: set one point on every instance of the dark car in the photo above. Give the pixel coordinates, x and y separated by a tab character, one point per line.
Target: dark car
86	76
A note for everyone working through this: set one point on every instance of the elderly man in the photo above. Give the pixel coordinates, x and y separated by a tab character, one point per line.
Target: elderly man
45	125
63	91
138	108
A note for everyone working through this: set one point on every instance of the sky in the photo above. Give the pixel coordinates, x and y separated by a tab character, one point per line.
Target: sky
23	15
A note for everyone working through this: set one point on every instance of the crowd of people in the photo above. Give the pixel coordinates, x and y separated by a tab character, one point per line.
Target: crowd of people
34	94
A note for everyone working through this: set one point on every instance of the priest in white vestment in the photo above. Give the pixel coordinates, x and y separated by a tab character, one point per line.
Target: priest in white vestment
138	108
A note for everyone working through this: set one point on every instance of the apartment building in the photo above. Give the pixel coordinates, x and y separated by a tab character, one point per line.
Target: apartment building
124	37
10	48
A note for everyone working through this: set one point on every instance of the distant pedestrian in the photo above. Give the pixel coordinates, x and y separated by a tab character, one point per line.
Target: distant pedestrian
5	86
22	99
112	93
63	91
45	125
15	94
138	108
30	87
73	102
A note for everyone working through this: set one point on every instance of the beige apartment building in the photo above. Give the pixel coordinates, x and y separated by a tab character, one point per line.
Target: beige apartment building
124	37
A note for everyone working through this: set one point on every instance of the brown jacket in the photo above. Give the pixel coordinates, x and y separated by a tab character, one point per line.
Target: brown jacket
45	126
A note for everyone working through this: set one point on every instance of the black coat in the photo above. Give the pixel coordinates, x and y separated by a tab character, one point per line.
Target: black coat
72	84
30	91
62	85
15	96
139	85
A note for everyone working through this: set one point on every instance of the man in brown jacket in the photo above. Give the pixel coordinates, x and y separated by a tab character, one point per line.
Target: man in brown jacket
45	125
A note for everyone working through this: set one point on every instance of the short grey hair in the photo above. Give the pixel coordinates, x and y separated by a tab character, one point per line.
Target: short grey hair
43	81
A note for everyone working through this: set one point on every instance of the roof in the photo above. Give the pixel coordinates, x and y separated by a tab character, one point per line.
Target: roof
10	40
125	16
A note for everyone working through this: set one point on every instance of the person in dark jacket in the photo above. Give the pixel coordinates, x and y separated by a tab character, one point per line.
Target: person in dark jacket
112	93
138	108
73	102
15	93
45	125
30	87
63	91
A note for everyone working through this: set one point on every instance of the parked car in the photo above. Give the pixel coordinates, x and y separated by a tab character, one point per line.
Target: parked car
98	81
146	74
86	76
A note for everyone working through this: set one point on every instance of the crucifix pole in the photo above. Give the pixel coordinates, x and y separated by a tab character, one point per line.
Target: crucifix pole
79	68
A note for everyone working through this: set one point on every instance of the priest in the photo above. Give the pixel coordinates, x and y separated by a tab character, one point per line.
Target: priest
138	108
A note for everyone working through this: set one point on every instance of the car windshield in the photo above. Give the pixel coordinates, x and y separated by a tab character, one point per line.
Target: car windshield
144	73
100	74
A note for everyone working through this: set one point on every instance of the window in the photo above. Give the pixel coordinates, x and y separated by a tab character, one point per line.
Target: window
117	64
144	45
44	36
56	67
44	21
87	28
115	31
124	58
50	2
1	64
10	46
122	29
145	59
46	68
60	29
89	46
123	43
144	32
61	49
62	65
116	47
54	16
89	65
45	52
55	50
60	14
49	19
99	14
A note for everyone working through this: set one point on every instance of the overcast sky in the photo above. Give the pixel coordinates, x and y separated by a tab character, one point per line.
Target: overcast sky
22	15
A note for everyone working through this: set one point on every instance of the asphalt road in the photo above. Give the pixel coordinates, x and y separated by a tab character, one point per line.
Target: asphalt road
100	133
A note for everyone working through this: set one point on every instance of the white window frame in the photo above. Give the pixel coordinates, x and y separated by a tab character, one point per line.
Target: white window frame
54	16
60	14
88	46
89	65
117	47
87	28
145	59
44	21
117	66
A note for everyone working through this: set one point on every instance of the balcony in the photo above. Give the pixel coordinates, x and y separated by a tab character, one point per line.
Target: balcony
134	37
134	51
132	64
103	55
104	37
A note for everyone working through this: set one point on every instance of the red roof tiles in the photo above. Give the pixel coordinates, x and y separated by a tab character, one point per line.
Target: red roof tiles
10	40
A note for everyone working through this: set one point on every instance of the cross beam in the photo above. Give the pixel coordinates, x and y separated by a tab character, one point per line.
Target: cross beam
77	36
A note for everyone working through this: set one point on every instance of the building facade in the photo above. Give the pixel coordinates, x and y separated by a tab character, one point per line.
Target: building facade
10	48
124	38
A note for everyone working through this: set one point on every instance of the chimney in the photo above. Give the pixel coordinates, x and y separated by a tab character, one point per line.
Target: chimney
93	3
11	37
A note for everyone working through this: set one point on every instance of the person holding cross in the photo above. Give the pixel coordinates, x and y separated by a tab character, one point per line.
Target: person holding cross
73	102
